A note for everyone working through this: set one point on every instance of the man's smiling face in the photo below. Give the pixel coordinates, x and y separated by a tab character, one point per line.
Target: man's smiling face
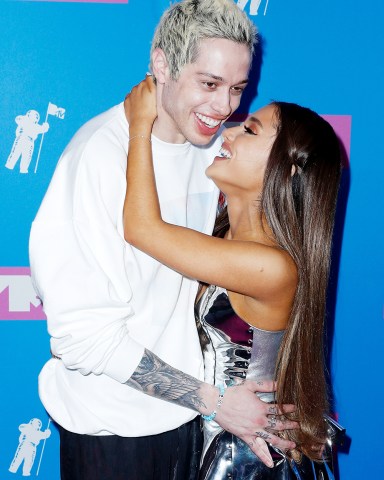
206	93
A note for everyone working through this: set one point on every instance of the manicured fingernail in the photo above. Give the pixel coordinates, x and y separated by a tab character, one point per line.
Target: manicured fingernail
270	464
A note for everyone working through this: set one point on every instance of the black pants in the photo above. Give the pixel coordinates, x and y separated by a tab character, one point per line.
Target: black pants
173	455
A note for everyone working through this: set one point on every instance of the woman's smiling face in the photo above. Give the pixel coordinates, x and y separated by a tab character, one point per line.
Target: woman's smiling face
245	153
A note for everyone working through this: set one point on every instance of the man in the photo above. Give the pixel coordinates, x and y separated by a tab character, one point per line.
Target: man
124	383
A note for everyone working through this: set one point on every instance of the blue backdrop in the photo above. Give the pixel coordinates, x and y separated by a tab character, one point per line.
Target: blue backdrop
64	62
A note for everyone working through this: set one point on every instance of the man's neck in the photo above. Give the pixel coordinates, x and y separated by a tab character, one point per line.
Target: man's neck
164	130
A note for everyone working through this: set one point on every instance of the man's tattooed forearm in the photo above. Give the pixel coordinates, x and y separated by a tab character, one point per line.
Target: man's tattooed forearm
158	379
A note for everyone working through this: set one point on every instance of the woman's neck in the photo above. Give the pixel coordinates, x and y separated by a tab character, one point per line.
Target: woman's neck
247	223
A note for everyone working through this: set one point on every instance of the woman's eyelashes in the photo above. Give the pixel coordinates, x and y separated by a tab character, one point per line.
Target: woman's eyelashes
249	130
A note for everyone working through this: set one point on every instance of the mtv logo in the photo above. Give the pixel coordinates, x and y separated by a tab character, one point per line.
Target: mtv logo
18	299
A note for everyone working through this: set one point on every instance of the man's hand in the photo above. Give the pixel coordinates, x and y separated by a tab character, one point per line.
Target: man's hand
241	413
254	421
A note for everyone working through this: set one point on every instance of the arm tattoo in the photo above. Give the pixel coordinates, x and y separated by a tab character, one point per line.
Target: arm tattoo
158	379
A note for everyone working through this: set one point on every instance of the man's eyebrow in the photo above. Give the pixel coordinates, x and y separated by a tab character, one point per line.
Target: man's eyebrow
219	79
255	120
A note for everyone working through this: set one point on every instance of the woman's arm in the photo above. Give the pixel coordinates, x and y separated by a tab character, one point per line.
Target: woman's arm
187	251
141	204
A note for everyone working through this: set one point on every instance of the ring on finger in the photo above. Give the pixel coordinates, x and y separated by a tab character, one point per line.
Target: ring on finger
272	421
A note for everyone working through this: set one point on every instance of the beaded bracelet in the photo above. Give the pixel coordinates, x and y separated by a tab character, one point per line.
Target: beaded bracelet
139	136
209	418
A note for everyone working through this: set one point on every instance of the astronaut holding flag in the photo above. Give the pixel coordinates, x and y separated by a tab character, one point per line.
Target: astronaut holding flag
30	437
27	131
28	128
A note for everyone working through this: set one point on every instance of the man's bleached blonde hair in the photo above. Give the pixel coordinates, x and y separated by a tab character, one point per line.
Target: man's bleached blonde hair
186	23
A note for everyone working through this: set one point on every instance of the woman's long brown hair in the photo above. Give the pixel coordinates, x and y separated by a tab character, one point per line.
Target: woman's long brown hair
298	202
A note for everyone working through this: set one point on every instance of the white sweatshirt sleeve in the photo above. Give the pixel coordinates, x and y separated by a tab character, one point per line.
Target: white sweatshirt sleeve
79	262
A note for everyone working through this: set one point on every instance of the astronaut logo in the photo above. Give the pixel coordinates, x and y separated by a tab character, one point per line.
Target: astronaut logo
30	437
28	128
27	131
254	6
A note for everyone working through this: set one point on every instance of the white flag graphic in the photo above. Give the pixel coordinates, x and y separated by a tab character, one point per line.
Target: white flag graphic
56	111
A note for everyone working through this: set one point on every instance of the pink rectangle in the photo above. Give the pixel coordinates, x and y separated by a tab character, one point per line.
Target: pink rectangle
79	1
18	300
342	125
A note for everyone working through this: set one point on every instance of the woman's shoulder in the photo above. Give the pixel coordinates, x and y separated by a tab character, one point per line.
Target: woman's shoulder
274	265
274	280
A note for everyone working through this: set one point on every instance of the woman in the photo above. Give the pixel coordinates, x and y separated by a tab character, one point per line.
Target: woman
261	309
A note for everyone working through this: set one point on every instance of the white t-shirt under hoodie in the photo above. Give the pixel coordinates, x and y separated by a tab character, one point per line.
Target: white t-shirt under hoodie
106	301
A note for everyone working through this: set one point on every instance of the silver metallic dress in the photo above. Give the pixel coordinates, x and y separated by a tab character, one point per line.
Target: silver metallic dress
234	349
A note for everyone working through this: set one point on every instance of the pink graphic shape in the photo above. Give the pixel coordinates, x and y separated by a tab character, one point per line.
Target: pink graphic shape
18	300
79	1
341	124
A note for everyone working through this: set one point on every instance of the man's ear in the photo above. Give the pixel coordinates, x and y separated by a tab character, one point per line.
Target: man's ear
159	65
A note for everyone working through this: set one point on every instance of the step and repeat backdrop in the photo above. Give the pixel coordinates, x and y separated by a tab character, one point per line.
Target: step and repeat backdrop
64	62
